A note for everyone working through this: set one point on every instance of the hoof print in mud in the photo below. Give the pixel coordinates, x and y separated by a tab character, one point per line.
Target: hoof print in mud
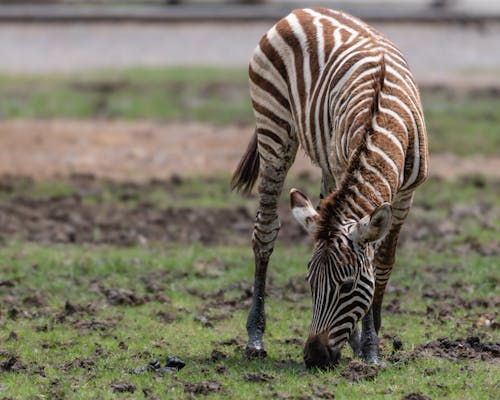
252	353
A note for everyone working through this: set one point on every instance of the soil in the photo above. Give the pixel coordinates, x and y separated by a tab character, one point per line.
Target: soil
80	218
69	219
258	377
140	151
202	387
356	371
461	349
122	387
415	396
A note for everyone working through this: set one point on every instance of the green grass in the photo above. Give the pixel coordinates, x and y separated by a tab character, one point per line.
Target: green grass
464	125
201	94
215	192
51	348
439	292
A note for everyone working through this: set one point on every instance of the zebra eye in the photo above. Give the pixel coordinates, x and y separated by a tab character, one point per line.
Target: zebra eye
347	286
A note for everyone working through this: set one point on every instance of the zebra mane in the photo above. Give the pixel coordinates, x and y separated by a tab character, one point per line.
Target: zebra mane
331	213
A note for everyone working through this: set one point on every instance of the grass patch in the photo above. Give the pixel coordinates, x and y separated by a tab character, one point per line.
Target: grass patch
76	320
199	94
65	354
464	125
435	194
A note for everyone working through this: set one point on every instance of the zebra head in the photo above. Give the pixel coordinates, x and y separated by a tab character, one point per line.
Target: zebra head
340	273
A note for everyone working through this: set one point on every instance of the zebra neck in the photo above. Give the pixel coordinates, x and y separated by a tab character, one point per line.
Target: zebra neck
357	196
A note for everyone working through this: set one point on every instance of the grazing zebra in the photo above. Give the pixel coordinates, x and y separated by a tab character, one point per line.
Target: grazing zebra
330	83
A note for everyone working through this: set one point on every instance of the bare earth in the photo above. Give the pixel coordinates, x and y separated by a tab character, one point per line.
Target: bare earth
140	151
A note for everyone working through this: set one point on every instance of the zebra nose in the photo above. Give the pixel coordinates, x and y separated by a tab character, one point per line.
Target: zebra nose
318	354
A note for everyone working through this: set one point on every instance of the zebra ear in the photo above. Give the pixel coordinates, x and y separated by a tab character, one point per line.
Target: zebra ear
303	210
374	227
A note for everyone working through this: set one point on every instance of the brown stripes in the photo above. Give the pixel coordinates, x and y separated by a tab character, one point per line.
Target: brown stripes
268	87
269	114
273	56
311	32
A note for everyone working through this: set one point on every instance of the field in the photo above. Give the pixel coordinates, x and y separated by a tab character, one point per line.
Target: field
99	276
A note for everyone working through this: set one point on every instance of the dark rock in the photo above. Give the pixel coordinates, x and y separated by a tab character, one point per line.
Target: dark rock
175	362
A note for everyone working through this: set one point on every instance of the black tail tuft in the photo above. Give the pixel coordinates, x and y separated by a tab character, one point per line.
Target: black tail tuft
247	172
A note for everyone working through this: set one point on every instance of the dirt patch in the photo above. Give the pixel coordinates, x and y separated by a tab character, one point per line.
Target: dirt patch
140	151
68	220
356	371
11	363
123	297
123	387
257	377
461	349
202	387
94	324
415	396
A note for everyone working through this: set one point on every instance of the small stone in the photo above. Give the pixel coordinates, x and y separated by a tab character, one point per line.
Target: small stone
139	370
166	370
397	343
175	362
154	364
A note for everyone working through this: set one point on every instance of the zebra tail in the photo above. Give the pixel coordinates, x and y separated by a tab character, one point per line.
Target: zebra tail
247	171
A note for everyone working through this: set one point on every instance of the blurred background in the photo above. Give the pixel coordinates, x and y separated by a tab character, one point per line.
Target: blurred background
121	122
147	101
140	89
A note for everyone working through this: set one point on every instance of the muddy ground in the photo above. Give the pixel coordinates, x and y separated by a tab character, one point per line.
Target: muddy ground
85	215
140	151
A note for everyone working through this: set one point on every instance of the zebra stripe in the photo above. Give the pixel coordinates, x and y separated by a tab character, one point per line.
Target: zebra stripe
330	84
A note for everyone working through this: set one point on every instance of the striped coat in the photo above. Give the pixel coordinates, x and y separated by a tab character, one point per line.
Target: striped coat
314	76
332	85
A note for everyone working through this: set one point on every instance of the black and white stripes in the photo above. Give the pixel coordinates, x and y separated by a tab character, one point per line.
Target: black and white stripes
330	84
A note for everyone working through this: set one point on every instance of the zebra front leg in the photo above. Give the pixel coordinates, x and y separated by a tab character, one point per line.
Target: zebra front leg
265	232
383	263
385	256
256	322
355	342
384	259
369	339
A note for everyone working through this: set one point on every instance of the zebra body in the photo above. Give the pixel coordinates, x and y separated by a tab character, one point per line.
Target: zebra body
327	82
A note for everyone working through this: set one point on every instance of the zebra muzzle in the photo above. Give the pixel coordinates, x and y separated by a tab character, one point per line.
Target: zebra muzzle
318	354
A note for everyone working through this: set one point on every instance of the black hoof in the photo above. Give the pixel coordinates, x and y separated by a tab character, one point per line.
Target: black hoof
374	360
253	353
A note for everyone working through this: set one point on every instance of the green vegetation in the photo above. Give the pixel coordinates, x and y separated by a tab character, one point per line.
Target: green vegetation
78	320
80	350
457	123
200	94
463	125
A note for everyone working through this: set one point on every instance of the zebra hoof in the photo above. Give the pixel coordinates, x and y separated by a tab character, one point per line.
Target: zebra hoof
252	353
374	360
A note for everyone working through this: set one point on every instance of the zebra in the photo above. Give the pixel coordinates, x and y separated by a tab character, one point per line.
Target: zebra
329	83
